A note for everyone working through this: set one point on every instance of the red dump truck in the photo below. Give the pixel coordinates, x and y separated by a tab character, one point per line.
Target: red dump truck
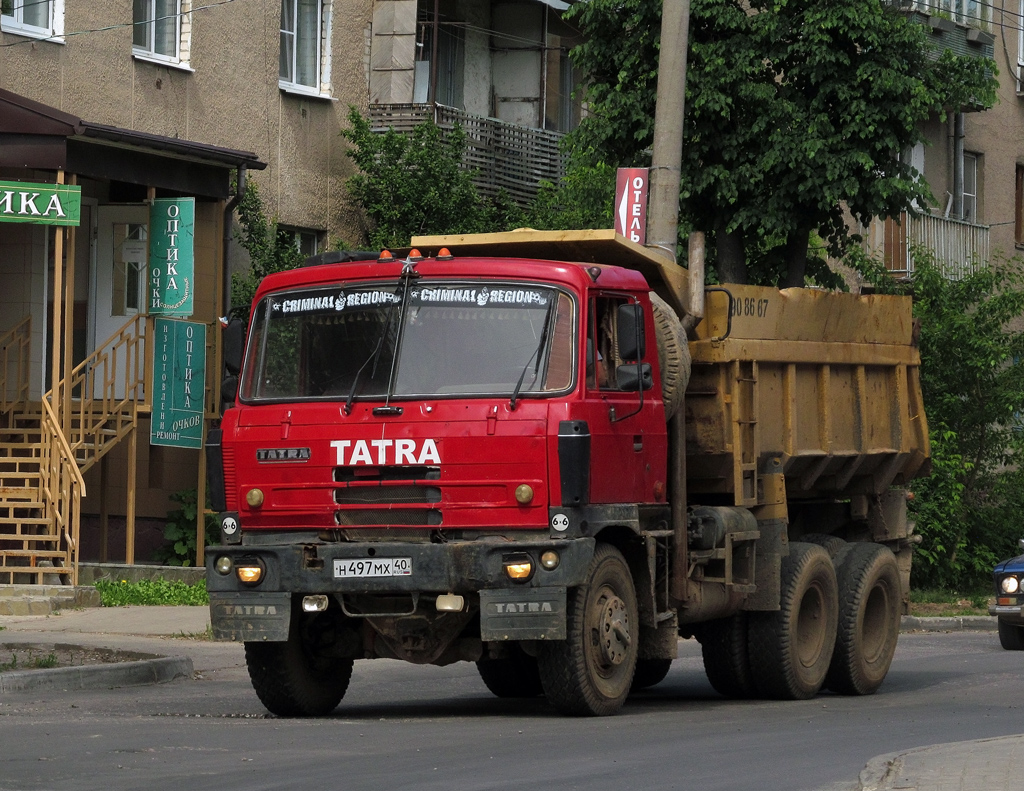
504	449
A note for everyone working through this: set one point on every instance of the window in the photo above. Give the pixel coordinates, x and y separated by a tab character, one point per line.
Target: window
306	242
128	275
1018	214
161	31
34	18
1020	48
304	62
970	187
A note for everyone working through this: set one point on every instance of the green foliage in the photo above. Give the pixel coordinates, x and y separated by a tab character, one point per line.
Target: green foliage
584	198
793	110
968	511
270	249
416	184
180	531
115	593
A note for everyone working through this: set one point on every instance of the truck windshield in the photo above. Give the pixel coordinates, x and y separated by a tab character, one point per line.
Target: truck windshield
459	339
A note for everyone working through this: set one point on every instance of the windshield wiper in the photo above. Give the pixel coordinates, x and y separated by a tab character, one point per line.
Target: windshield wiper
536	354
374	358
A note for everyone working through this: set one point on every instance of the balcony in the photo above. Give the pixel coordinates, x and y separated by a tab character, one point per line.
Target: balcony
959	247
505	156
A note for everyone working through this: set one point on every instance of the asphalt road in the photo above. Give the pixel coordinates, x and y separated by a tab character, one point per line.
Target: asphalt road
402	726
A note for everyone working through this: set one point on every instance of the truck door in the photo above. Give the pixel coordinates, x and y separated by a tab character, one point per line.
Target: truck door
618	424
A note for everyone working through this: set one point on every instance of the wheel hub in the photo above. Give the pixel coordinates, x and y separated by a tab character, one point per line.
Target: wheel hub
613	628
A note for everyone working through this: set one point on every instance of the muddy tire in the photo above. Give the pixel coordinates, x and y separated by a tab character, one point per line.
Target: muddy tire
514	676
1011	636
790	650
291	680
832	544
723	645
673	355
649	672
590	673
870	599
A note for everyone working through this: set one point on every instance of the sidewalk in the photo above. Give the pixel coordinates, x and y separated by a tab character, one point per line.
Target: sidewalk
989	764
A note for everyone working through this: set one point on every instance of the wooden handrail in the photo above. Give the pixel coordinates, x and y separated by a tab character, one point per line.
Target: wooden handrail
63	485
16	339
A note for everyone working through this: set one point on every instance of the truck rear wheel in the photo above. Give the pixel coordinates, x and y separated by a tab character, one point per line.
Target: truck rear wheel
790	650
869	618
290	679
514	676
1011	636
832	544
723	644
590	672
673	355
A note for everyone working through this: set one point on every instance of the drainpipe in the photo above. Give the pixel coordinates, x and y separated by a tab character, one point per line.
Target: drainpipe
229	210
958	166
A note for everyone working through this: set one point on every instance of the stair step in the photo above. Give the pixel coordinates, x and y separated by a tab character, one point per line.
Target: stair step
22	520
25	538
45	599
31	553
17	492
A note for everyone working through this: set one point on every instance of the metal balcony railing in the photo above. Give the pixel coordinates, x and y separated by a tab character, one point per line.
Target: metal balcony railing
958	247
505	156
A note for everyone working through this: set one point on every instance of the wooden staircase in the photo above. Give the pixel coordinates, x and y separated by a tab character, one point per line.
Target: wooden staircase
43	456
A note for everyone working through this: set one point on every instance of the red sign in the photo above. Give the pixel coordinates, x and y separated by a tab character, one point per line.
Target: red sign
631	203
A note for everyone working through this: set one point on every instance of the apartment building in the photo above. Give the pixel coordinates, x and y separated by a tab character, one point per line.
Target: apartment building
974	160
130	104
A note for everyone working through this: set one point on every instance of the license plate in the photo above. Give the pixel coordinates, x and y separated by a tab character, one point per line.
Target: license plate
373	567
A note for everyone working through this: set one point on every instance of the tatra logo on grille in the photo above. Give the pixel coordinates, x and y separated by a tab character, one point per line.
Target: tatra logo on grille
282	454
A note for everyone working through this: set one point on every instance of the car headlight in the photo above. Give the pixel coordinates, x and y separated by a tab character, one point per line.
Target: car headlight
1009	585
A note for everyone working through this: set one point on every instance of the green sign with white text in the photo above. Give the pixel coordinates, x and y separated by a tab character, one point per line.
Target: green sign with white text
172	226
40	204
179	384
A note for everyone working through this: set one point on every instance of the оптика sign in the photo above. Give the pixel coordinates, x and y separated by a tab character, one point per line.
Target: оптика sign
40	204
172	224
179	384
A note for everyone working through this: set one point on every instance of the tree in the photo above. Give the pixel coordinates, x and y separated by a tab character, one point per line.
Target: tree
416	184
271	249
795	109
968	511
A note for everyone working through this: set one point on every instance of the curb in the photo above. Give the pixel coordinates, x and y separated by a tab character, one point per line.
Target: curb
963	623
116	674
882	768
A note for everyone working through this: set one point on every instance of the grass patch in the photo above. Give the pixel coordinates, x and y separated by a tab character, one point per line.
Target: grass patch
34	662
152	593
941	603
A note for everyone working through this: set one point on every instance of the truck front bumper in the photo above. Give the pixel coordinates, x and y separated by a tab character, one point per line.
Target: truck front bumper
529	609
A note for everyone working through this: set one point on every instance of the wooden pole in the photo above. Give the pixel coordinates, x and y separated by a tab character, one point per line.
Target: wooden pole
129	539
104	512
58	289
69	321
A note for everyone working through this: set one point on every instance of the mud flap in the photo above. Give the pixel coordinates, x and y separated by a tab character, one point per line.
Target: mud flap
522	614
249	616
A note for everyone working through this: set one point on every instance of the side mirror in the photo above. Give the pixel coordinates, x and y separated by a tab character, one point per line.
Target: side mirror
233	340
632	377
629	332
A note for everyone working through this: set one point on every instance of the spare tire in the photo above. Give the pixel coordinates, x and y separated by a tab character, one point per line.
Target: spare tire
673	355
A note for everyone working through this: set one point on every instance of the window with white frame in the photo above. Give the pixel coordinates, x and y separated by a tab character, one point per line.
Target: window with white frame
33	18
970	191
304	58
1020	48
161	30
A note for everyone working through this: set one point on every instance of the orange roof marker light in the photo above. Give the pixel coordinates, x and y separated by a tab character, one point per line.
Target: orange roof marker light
415	255
444	254
385	257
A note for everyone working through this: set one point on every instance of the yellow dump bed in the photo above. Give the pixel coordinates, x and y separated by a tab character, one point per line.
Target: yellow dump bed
828	383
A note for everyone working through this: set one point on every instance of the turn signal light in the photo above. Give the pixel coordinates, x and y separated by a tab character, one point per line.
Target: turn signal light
518	567
385	257
249	575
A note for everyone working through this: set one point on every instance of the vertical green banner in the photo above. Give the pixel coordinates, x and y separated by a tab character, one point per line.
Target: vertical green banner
172	225
179	384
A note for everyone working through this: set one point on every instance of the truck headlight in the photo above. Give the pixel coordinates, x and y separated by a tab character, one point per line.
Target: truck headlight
1009	585
249	572
518	567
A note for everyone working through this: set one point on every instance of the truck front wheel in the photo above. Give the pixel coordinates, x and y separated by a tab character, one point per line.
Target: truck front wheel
513	676
293	678
790	649
590	672
723	645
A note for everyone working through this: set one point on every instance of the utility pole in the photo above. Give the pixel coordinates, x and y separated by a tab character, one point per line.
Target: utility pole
667	155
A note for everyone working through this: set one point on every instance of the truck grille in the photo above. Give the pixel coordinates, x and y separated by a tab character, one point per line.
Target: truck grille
418	517
380	495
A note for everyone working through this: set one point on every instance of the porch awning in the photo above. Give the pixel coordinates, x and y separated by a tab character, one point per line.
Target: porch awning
35	136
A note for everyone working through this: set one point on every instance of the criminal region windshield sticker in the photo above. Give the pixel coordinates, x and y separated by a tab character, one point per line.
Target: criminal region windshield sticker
319	302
